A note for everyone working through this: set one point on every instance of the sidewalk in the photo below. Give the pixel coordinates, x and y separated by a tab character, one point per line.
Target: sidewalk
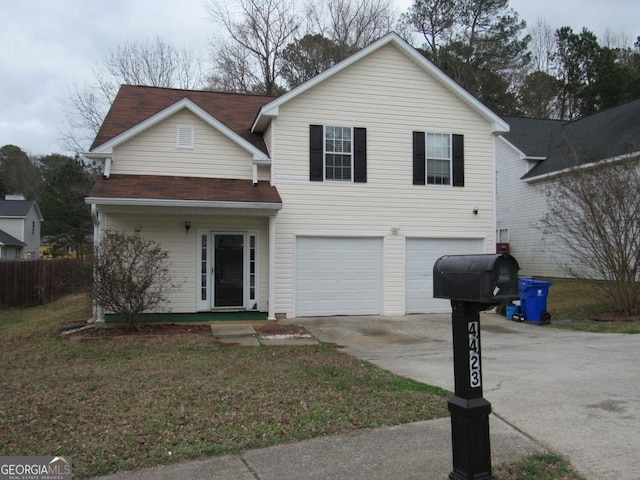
413	451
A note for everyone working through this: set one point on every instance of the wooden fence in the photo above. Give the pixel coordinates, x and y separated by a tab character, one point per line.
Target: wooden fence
26	283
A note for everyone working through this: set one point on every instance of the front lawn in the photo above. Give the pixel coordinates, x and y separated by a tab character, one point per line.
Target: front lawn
574	304
114	404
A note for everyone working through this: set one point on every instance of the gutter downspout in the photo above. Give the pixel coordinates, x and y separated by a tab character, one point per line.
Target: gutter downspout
272	267
98	310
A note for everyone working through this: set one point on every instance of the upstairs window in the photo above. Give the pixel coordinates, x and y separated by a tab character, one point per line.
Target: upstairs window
438	159
185	137
337	153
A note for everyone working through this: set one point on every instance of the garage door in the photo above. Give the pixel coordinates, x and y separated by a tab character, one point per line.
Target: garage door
420	255
339	276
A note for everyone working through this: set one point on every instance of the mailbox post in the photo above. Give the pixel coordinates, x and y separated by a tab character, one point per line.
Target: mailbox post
473	283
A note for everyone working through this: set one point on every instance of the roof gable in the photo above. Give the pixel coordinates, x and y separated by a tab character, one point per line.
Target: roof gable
271	109
18	208
137	108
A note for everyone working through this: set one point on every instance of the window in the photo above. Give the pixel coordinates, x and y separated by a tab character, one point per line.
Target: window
337	148
185	137
337	153
33	228
502	235
438	159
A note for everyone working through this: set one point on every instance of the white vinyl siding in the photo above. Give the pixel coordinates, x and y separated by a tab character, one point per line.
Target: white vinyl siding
169	231
390	96
535	254
155	152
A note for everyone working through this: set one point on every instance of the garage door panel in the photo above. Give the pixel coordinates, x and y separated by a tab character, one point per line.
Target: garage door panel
421	254
339	276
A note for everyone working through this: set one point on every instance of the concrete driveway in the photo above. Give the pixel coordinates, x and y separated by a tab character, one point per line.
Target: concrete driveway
575	393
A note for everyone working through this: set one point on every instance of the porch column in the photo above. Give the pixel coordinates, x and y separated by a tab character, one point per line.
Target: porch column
272	267
99	221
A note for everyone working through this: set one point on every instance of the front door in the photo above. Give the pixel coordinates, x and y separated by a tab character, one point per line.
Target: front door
228	271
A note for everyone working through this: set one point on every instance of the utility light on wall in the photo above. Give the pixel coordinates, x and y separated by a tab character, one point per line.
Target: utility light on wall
476	210
187	226
395	229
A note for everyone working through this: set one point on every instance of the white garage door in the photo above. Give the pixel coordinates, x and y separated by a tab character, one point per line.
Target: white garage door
420	256
339	276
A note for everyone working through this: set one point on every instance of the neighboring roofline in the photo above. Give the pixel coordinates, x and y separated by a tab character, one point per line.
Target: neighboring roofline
521	154
272	109
18	242
106	148
157	202
35	206
584	166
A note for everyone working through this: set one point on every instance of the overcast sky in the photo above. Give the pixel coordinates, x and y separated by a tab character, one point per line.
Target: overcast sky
47	46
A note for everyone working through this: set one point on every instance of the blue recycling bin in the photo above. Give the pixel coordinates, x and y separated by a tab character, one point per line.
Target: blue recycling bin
533	300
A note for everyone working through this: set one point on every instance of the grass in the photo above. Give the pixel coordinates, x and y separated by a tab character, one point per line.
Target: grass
574	303
116	404
542	466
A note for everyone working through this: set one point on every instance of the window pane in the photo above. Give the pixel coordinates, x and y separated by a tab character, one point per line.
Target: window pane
338	144
438	158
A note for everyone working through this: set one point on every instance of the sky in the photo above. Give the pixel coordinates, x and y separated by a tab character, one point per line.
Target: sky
49	46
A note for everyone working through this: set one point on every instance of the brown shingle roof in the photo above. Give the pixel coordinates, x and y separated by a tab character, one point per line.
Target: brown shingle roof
135	104
184	188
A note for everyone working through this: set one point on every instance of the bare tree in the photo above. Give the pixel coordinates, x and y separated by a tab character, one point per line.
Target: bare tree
150	62
352	24
594	214
435	20
542	46
258	30
131	275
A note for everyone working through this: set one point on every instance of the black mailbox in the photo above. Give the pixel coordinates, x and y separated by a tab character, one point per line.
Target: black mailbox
488	278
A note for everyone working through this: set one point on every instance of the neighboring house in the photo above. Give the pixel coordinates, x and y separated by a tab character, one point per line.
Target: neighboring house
333	199
19	228
534	153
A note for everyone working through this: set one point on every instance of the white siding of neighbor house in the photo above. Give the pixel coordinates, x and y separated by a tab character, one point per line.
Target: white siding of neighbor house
21	229
519	208
169	231
155	152
390	96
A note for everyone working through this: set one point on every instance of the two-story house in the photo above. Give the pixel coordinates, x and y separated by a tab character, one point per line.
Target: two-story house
333	199
19	228
533	154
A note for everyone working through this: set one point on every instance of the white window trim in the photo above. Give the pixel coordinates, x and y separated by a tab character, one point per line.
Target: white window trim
325	153
500	231
427	158
185	137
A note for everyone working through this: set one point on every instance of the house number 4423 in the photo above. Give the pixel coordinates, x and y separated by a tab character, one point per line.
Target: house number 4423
475	377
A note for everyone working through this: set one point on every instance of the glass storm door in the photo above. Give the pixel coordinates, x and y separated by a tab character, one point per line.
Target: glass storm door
228	271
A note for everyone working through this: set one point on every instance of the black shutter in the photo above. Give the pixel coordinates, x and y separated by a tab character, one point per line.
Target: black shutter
458	160
360	155
316	144
419	159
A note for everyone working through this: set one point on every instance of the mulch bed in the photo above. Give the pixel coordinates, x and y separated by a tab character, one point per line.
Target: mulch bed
146	330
